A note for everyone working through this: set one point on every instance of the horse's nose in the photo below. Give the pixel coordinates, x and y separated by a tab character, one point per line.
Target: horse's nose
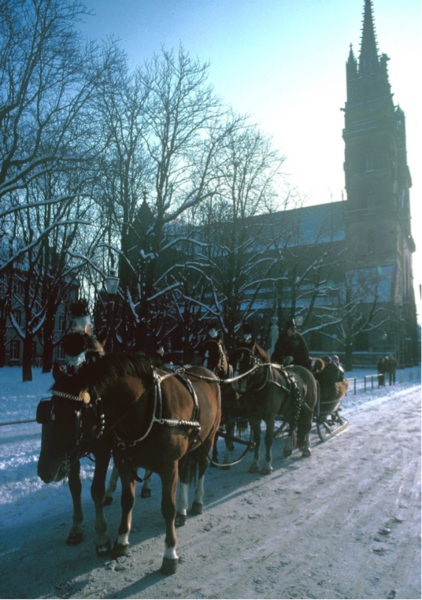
47	475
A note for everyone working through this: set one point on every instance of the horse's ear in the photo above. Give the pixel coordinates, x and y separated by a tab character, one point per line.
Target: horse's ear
102	337
58	371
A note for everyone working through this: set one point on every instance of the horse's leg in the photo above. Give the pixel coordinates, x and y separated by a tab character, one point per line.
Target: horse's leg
146	486
288	444
256	429
183	494
102	539
306	449
198	504
303	433
121	545
112	485
269	434
198	501
75	486
215	451
168	508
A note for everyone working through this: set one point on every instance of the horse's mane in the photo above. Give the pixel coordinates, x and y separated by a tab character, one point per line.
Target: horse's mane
111	366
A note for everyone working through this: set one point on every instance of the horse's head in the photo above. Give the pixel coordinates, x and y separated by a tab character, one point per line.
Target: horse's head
246	359
68	418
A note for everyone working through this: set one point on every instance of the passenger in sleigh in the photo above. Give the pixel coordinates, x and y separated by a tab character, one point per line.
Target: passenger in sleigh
333	386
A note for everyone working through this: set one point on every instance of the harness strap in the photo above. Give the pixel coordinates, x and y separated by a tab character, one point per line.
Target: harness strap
158	410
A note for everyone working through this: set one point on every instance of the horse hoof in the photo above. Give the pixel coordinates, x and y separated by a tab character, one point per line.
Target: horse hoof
119	550
169	566
287	453
266	470
103	550
74	538
254	469
146	493
180	521
108	500
197	508
307	452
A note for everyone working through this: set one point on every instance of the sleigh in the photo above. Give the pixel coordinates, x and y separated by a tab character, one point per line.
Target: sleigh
327	417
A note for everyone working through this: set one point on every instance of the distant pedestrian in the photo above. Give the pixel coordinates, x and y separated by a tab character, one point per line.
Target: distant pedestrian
391	368
381	368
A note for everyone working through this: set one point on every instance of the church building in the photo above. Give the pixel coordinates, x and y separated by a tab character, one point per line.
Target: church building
377	179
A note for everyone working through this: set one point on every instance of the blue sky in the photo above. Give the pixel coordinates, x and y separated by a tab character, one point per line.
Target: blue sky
283	62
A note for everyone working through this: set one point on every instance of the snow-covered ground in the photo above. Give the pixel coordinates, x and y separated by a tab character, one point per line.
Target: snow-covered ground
35	518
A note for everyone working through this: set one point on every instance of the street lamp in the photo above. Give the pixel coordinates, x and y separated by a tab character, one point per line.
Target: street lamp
112	285
384	337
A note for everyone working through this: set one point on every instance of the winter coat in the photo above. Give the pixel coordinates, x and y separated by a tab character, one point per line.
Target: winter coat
331	374
381	367
294	346
391	365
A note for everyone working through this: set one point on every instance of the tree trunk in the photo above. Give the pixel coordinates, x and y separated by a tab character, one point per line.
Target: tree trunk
27	358
348	358
2	349
47	358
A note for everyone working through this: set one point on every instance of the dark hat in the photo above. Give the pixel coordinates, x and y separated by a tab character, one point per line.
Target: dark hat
290	324
247	332
247	328
326	359
79	308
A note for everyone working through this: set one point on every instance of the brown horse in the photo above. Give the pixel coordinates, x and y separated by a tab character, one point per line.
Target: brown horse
215	359
161	421
271	390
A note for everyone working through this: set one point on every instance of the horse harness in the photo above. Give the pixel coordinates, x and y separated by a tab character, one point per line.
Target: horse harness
292	389
45	411
158	409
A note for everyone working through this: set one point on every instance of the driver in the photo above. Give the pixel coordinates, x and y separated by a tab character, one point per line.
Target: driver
291	347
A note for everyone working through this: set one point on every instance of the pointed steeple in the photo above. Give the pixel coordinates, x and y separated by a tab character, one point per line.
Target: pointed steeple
351	64
368	60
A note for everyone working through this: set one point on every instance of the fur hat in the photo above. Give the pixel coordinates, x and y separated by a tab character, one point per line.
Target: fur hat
335	359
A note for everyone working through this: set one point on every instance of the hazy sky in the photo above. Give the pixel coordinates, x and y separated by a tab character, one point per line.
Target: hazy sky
283	61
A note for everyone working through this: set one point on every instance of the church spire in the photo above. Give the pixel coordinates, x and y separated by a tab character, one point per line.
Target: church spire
368	60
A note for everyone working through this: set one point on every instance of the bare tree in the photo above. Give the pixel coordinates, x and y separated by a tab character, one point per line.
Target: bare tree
239	249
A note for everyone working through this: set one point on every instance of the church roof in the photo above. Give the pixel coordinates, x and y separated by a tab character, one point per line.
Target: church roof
308	225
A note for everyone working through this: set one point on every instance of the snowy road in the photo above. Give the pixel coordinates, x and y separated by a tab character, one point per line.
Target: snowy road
344	523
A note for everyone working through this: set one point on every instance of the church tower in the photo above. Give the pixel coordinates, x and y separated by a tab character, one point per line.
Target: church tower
377	210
